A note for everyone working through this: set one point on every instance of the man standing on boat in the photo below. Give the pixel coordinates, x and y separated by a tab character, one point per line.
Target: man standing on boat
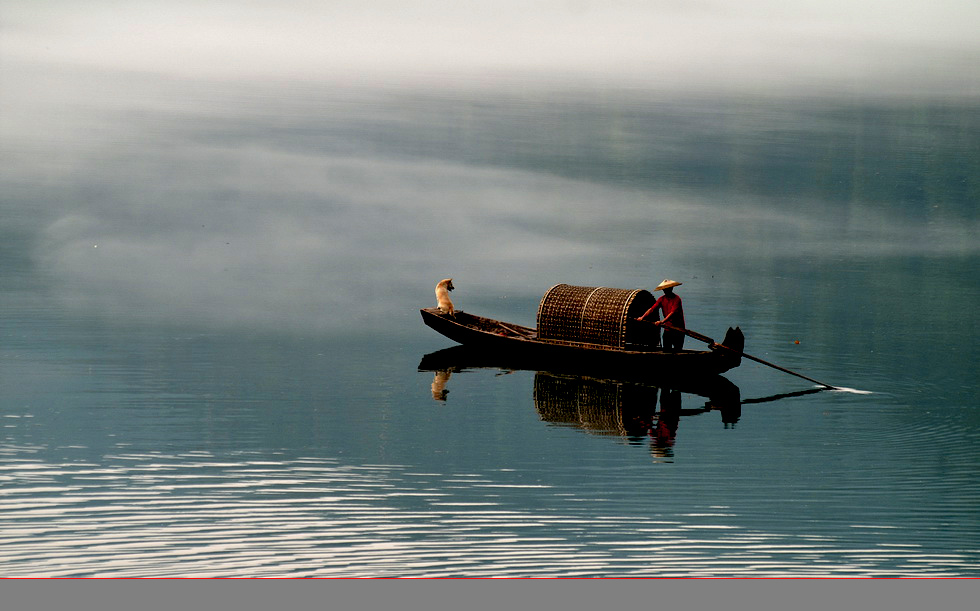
670	305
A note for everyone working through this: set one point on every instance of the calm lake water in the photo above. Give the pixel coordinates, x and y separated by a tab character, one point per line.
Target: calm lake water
210	339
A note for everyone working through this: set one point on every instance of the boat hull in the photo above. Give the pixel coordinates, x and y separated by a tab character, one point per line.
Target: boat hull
519	344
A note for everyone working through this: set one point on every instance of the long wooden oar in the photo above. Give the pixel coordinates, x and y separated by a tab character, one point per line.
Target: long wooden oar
708	340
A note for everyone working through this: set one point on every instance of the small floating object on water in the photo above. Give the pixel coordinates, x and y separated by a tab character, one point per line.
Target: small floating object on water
797	342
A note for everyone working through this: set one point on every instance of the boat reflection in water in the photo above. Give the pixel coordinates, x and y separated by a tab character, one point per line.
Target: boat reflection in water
632	411
598	401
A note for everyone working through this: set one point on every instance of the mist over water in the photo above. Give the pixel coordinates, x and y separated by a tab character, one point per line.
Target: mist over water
234	217
215	241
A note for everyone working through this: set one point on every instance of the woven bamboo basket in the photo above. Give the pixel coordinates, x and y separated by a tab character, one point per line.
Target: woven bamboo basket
591	315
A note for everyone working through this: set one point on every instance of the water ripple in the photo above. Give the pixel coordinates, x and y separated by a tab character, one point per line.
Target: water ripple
191	515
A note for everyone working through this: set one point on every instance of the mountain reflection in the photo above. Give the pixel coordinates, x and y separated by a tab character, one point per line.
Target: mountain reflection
600	402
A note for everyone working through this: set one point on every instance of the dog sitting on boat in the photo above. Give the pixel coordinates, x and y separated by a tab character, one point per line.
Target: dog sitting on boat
443	302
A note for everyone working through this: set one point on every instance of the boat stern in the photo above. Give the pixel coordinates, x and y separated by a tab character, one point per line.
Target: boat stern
735	341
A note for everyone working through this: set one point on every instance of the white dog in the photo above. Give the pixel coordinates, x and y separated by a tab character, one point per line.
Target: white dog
442	297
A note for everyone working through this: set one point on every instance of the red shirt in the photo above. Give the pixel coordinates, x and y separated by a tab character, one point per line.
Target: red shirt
671	307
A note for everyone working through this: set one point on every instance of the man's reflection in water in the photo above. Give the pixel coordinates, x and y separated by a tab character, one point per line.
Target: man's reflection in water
667	420
643	423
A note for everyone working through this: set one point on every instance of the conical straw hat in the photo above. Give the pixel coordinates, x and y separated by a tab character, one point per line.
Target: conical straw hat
666	284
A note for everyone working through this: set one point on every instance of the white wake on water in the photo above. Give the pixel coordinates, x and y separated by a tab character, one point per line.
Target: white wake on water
851	390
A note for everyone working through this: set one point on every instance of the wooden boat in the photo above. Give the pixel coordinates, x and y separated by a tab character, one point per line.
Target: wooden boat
588	325
525	348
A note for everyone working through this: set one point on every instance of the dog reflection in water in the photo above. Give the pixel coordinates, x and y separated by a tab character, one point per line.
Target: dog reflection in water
439	390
